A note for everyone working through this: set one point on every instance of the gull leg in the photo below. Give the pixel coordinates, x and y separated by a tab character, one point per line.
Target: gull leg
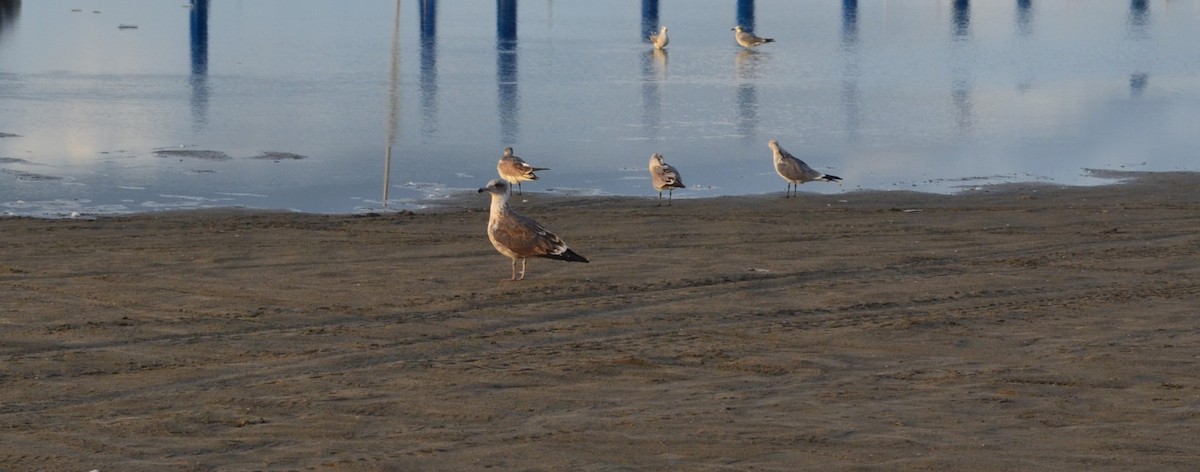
514	269
522	277
520	191
660	198
670	193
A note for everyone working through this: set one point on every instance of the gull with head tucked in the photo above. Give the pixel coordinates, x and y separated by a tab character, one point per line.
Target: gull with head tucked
519	237
660	40
515	170
664	177
794	170
747	39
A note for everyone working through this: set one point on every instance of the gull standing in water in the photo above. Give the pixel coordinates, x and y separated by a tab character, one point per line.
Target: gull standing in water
515	170
795	171
660	40
518	236
664	177
747	39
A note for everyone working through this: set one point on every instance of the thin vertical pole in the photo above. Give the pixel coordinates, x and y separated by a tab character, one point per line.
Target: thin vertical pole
387	172
393	96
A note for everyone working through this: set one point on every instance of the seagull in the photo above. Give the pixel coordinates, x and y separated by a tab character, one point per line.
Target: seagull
748	39
518	236
795	171
660	40
515	170
664	177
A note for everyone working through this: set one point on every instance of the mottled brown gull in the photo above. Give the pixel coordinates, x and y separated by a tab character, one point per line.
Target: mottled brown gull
518	236
664	177
515	170
794	170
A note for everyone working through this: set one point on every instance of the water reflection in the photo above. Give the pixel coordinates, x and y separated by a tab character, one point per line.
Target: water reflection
1023	22
961	19
1137	84
198	25
849	24
1139	18
960	90
745	14
649	18
429	84
964	110
506	70
9	10
850	71
1024	17
654	74
1139	29
748	62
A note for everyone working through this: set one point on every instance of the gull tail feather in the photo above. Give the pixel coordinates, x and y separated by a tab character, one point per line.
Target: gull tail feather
831	178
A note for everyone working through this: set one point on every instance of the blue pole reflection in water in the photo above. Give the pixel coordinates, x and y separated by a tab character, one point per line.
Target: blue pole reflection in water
1139	18
1139	26
654	73
1024	17
850	72
747	63
506	69
429	84
649	19
961	18
9	11
198	24
849	23
745	14
1137	84
1023	21
960	92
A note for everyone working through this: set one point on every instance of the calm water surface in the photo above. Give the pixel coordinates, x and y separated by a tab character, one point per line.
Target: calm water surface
297	101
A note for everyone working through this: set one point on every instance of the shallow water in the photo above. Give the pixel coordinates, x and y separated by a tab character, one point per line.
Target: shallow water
934	96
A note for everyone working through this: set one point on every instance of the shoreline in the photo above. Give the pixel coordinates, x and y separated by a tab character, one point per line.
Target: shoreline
456	198
1026	326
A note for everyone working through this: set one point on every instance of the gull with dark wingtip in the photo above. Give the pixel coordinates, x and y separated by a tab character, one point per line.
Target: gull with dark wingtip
518	236
664	177
747	39
515	170
795	171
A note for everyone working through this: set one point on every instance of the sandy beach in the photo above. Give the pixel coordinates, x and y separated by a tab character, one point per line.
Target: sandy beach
1023	327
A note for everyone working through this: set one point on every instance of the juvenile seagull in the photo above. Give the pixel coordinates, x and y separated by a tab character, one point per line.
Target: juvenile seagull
748	39
665	177
660	40
518	236
515	170
795	171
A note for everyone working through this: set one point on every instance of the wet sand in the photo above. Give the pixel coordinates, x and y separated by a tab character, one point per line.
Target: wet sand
1024	327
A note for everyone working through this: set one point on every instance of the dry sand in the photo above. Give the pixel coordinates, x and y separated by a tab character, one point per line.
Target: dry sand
1019	328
